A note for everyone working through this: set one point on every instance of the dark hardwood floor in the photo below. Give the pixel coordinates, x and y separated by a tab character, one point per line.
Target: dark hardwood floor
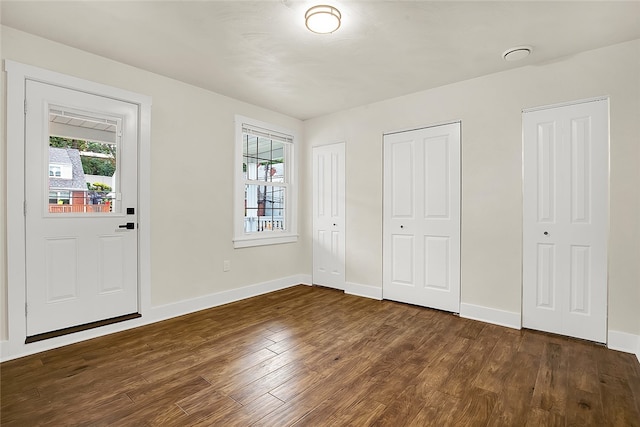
311	356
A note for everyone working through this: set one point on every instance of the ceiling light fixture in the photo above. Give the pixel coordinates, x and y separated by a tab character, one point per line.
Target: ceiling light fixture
322	19
517	53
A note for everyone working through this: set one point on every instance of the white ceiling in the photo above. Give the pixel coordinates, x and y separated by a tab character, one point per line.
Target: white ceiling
260	51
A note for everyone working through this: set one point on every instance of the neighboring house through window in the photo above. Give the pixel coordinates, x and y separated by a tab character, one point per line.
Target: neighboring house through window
264	184
63	171
59	197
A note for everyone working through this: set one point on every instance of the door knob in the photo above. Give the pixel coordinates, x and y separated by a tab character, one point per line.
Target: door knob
546	233
128	226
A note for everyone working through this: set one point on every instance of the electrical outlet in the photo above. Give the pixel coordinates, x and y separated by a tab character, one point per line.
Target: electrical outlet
226	265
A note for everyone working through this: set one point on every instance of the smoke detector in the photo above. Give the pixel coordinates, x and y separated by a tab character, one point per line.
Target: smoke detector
517	53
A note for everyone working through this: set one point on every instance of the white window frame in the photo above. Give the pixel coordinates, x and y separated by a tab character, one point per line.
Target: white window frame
272	237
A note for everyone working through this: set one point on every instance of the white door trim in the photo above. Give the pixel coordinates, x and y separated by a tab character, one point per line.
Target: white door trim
565	104
436	124
17	74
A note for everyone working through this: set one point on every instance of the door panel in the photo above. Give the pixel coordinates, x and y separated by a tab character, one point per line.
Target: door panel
580	170
436	177
81	263
421	236
329	215
566	220
111	262
546	176
580	283
436	263
401	164
546	276
61	267
402	268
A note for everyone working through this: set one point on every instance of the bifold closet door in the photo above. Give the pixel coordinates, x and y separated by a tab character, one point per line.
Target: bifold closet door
421	218
329	215
565	222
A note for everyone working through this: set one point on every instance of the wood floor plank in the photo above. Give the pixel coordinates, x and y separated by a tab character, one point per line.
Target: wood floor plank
295	371
346	370
634	385
551	384
584	409
471	362
325	412
362	413
515	398
207	403
154	405
292	387
404	408
251	412
227	380
311	356
541	418
438	410
618	402
583	374
498	365
476	408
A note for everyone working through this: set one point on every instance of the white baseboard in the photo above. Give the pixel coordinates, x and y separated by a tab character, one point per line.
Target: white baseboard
623	341
509	319
181	308
305	279
367	291
11	350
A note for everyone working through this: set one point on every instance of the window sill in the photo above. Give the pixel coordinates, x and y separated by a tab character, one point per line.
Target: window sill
250	241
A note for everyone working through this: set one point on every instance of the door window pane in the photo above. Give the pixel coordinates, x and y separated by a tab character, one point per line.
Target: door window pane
82	167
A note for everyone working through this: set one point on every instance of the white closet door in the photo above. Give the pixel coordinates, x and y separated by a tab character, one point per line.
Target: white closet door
421	237
329	215
566	169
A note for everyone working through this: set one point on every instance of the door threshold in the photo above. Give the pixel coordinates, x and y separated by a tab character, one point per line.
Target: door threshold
79	328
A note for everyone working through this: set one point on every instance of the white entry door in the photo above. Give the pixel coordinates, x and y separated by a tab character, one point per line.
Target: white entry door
80	207
421	237
329	215
566	169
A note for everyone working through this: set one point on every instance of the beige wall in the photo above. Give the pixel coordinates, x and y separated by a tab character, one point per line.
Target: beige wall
192	139
192	127
490	110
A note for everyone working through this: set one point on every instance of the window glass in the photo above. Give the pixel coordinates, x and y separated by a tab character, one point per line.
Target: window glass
82	163
264	161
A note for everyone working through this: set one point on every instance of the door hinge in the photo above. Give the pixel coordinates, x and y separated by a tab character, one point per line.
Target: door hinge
26	311
24	208
25	106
